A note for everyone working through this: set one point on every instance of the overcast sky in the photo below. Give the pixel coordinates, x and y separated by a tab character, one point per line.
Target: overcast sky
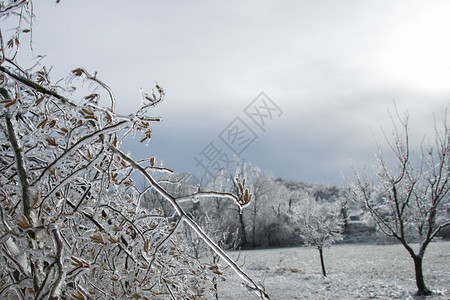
330	70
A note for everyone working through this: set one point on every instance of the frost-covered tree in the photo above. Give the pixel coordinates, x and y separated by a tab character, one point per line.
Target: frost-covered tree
253	221
263	189
72	224
320	224
404	200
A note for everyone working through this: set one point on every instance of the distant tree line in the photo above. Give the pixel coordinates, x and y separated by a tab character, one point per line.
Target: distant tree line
268	220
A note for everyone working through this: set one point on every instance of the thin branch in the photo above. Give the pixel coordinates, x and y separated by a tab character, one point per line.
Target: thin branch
13	6
157	247
37	87
196	196
81	142
20	165
251	284
94	78
10	257
56	289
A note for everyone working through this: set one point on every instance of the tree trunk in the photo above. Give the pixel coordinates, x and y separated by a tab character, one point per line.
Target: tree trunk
324	272
242	229
421	288
20	166
254	224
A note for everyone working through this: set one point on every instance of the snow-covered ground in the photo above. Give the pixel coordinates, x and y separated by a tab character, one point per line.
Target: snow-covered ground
354	272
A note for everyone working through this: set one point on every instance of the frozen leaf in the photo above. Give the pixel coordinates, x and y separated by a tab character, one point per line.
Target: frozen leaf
77	72
79	262
42	123
113	240
98	238
23	222
39	100
114	278
92	97
146	245
51	141
8	102
77	295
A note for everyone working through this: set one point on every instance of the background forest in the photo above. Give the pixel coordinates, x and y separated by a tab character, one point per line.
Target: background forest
268	221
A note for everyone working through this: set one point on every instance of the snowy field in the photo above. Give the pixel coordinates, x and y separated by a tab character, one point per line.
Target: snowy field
354	272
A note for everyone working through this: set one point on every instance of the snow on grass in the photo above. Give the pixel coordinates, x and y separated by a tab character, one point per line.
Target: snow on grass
354	272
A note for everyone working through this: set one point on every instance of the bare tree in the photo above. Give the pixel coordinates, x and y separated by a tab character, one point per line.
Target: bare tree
263	189
320	224
404	201
72	224
253	221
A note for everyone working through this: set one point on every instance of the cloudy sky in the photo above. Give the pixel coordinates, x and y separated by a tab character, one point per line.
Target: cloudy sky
330	70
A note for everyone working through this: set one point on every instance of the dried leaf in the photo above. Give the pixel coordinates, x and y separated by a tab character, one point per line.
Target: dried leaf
77	295
36	200
143	265
113	240
115	140
91	97
87	111
91	117
98	238
51	141
39	100
78	72
52	123
10	43
146	245
152	161
79	262
9	102
23	222
42	123
218	272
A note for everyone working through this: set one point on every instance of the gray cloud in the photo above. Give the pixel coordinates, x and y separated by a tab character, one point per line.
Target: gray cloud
334	68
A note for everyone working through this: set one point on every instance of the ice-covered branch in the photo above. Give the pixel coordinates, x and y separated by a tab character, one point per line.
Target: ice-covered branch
20	164
80	143
82	231
197	196
56	289
80	71
35	86
250	283
12	6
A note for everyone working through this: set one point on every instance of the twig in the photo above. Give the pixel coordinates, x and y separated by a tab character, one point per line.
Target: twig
56	289
179	210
